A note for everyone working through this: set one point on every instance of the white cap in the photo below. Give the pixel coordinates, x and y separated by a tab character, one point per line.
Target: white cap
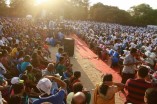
45	85
16	80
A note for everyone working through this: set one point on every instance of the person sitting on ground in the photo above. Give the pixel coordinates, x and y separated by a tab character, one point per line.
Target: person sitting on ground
5	60
4	89
30	74
69	72
79	98
17	89
14	51
75	78
60	67
26	63
20	57
50	70
45	86
105	92
150	96
46	50
36	62
59	54
78	87
43	60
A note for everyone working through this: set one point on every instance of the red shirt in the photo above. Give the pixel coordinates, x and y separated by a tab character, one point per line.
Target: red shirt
136	90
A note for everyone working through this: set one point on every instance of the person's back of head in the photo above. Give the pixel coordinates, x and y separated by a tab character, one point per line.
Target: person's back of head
133	50
27	58
77	74
150	96
16	45
39	52
60	50
24	77
77	87
34	55
107	77
103	87
50	66
79	98
21	53
143	72
61	59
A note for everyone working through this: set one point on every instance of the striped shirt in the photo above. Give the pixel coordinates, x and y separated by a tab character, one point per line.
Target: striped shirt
136	90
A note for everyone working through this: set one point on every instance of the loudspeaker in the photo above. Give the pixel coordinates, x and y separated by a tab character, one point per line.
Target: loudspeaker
69	46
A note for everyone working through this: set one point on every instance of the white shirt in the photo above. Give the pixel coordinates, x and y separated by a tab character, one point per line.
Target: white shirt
129	59
1	43
17	41
3	69
5	40
149	48
116	46
47	40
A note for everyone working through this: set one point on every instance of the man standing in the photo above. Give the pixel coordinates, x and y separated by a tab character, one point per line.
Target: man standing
129	63
136	87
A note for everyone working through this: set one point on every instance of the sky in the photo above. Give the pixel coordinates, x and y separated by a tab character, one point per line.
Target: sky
125	4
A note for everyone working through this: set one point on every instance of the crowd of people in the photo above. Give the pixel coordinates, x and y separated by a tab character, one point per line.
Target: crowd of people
28	75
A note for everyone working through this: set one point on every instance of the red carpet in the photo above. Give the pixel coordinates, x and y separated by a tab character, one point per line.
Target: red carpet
85	52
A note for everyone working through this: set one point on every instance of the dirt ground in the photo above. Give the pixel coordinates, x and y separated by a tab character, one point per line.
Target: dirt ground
90	76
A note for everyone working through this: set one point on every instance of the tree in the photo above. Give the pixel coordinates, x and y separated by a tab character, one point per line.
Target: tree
3	4
3	7
110	14
143	14
21	7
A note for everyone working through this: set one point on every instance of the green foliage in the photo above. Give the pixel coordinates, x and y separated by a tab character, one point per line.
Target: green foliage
110	14
143	15
3	7
139	15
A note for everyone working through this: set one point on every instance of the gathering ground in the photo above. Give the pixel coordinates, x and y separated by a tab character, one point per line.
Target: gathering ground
90	74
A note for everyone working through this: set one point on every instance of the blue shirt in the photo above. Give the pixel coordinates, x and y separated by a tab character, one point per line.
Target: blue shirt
24	66
54	99
58	55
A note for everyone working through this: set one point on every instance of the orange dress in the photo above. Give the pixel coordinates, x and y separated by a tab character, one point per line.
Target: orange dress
109	98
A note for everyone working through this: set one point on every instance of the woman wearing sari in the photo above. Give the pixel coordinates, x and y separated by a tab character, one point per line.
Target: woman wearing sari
105	91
